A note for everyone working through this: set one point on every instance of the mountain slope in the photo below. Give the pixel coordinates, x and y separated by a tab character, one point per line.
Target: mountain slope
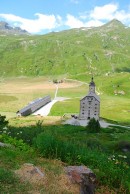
6	29
97	50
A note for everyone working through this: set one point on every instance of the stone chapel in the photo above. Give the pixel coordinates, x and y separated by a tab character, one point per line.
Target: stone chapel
90	104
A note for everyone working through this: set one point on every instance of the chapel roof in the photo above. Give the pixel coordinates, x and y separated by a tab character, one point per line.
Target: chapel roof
91	94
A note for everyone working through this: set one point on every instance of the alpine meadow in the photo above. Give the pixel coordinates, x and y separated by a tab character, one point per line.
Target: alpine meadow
61	64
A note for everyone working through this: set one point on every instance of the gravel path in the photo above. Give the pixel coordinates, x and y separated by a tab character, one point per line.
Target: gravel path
45	110
103	123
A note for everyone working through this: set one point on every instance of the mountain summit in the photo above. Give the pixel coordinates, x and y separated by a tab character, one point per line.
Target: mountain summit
114	24
5	28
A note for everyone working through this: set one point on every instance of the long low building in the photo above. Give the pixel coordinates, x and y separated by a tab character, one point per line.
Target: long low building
33	106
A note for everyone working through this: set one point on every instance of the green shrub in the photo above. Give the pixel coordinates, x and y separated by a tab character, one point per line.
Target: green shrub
3	121
93	126
27	134
39	123
14	142
55	81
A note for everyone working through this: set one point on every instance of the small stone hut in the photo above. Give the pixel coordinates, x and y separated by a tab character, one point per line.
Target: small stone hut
90	104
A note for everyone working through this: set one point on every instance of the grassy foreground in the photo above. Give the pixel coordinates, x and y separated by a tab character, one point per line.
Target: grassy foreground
102	152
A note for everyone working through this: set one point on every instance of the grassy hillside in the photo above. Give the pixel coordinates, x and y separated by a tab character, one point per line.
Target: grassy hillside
98	50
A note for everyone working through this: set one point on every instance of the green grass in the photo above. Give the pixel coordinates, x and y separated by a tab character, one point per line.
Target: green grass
65	107
11	160
9	182
6	98
74	92
116	108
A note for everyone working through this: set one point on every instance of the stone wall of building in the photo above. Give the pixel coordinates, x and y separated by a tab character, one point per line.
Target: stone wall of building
89	108
90	104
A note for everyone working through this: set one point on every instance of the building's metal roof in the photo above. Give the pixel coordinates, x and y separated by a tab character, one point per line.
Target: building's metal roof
31	104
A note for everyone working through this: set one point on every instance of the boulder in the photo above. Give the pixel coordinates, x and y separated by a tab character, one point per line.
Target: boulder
82	176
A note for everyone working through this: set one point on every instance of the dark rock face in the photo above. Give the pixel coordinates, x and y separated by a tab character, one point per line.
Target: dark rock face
7	29
82	176
4	26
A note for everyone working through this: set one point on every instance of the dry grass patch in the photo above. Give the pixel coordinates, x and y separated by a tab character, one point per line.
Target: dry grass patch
61	184
32	120
28	172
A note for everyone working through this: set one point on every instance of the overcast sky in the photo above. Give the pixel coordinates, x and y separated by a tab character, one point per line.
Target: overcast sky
43	16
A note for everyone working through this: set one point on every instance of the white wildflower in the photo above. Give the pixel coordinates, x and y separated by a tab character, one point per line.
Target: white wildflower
5	128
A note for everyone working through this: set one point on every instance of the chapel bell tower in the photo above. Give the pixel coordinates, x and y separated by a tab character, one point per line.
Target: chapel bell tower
92	86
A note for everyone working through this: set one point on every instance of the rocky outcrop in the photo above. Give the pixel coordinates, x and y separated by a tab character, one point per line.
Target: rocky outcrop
82	176
5	28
